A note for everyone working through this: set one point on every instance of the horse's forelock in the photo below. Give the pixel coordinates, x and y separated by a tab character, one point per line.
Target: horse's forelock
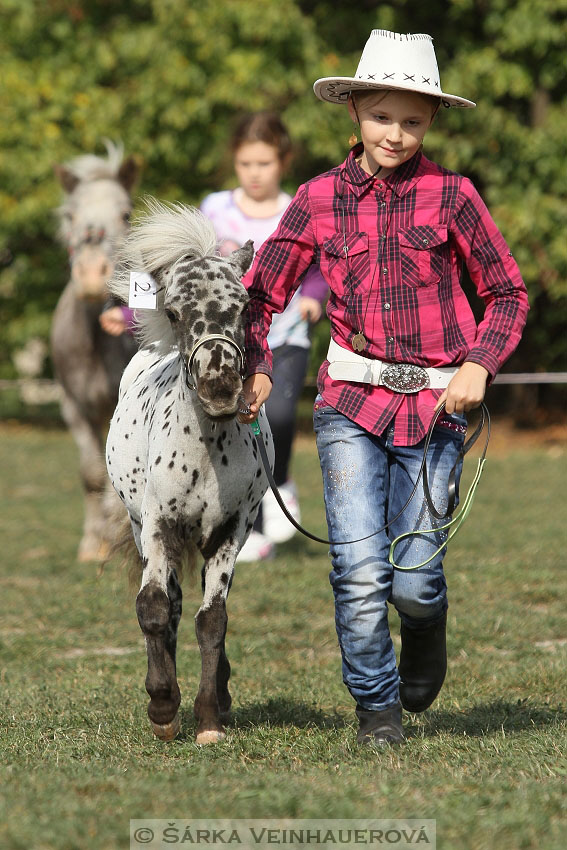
98	204
89	167
164	235
88	171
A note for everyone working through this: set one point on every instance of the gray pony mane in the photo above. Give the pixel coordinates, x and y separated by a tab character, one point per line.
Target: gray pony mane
158	239
89	167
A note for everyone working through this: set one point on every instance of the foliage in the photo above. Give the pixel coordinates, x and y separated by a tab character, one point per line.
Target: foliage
169	77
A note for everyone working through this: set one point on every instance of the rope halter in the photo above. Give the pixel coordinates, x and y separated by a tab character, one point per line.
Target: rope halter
189	379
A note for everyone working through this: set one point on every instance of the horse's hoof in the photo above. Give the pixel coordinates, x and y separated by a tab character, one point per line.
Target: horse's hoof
167	731
209	736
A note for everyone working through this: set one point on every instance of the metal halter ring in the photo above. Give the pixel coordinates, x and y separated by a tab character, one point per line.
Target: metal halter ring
202	341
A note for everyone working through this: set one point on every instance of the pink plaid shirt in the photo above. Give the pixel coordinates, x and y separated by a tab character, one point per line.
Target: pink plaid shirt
392	252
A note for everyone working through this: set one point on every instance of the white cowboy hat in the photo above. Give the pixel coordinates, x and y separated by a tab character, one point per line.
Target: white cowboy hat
392	60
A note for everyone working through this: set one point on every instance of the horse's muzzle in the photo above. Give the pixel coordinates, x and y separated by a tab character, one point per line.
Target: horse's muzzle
91	269
219	395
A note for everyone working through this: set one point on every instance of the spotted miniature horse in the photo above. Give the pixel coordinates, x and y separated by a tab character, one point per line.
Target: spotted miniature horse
188	473
88	362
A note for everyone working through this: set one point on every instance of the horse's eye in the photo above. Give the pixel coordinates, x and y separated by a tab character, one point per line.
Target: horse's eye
171	315
126	217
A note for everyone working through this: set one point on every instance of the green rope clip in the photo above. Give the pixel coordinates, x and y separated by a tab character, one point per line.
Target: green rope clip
255	427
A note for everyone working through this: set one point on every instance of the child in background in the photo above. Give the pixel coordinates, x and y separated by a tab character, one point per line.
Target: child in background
261	150
390	231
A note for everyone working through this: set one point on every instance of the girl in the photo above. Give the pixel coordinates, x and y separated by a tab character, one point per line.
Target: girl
261	151
391	231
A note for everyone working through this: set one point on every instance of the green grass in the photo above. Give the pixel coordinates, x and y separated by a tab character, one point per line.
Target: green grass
76	753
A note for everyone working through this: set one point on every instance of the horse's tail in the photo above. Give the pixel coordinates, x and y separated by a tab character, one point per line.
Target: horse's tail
124	548
120	540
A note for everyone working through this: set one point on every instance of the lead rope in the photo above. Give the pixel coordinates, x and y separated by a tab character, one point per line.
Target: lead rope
457	520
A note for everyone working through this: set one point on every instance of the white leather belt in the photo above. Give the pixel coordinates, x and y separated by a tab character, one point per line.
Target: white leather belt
345	365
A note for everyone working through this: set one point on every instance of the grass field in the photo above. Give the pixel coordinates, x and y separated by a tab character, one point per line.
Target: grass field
77	758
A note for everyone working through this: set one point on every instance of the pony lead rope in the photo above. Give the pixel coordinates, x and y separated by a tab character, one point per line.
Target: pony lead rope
457	521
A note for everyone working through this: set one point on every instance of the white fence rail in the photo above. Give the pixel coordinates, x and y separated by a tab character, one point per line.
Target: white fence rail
531	378
45	390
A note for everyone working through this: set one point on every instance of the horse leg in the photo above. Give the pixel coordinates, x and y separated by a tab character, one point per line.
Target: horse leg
223	694
93	475
158	606
223	675
213	700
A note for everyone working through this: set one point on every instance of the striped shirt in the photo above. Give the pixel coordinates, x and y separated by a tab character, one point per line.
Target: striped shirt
392	251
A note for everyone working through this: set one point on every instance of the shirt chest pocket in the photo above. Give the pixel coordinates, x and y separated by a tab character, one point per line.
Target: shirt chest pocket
347	258
423	254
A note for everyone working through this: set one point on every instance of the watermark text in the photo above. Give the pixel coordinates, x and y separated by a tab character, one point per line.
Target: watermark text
375	834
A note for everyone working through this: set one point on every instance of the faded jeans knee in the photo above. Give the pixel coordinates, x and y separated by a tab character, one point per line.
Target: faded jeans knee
420	597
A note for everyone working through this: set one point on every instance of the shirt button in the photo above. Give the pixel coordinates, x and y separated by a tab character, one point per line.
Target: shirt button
387	305
382	203
425	241
383	237
390	339
384	271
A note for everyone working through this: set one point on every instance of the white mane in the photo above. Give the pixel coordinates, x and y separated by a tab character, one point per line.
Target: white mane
165	234
90	167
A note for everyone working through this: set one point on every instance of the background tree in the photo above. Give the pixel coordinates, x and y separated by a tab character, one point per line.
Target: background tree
169	77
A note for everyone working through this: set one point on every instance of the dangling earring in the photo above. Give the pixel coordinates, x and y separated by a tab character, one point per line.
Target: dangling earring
353	139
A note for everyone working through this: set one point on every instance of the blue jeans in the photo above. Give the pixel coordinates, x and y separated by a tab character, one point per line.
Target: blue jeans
366	481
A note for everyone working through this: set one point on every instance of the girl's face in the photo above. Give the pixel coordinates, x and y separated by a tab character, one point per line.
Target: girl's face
392	127
259	170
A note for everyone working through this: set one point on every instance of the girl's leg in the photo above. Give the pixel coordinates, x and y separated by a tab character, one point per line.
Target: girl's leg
355	472
420	595
288	375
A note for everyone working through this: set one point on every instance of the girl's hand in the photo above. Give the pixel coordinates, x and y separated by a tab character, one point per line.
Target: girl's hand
466	389
255	392
310	309
112	321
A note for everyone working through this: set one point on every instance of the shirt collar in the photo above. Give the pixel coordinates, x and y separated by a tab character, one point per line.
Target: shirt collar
400	181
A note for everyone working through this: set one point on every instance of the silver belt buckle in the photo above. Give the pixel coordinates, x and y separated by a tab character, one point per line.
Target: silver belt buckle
405	378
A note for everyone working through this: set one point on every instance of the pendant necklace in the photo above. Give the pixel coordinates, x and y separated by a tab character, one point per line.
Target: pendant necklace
358	341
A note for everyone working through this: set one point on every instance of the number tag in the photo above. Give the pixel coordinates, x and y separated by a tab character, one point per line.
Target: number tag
143	291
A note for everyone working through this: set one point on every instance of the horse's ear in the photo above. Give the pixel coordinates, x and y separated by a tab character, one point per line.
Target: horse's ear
68	180
242	258
128	173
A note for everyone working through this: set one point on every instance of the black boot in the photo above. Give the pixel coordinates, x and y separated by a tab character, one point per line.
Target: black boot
380	727
423	664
